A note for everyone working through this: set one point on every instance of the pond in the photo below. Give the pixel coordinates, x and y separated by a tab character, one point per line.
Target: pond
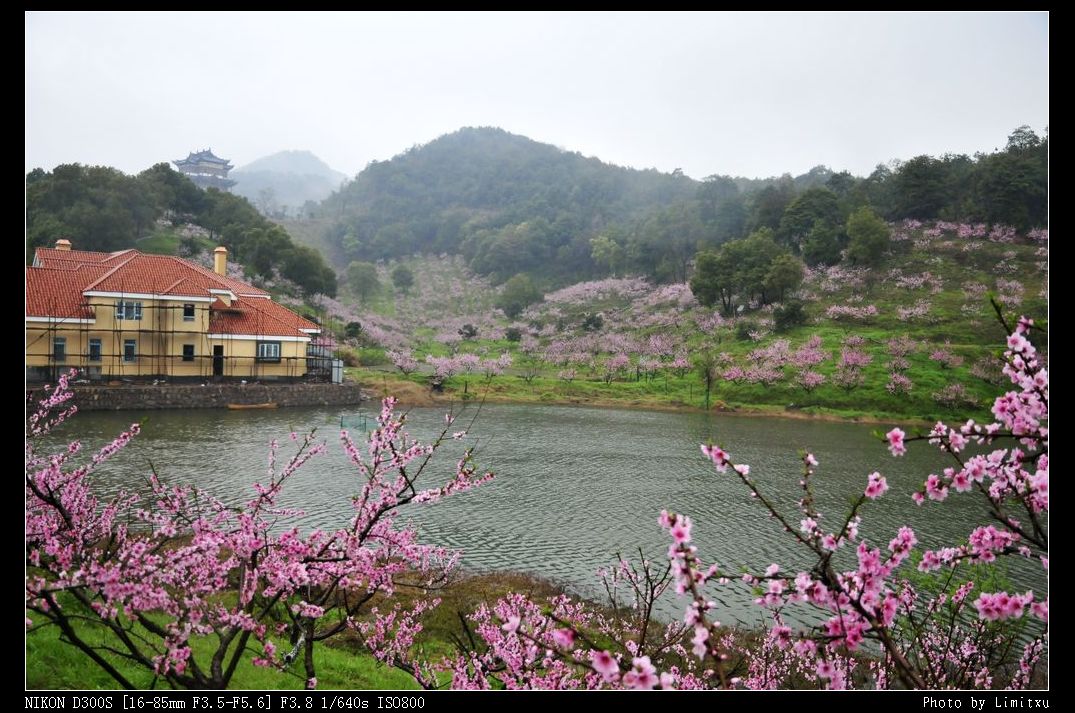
574	487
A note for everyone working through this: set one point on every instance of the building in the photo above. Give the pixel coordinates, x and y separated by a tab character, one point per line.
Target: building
206	170
127	314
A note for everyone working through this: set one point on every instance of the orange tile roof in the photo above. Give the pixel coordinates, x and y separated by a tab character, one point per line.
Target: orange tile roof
237	286
53	291
50	292
259	317
73	259
133	271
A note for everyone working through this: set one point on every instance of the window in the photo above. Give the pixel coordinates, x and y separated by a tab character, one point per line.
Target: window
128	310
95	350
269	351
188	352
188	313
130	350
59	348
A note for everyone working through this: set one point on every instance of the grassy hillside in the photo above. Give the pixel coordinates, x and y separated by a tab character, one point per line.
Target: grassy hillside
914	339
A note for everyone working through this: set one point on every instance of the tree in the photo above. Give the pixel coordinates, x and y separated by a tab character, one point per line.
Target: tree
362	278
516	294
146	577
707	365
305	266
789	315
96	207
742	267
263	248
841	183
402	278
749	260
816	206
769	204
822	246
920	187
876	624
869	238
151	575
1022	138
785	274
266	201
172	190
606	251
711	280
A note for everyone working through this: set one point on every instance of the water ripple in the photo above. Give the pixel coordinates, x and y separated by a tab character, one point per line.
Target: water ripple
575	487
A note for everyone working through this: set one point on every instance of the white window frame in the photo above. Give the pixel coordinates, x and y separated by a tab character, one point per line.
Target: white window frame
268	352
126	309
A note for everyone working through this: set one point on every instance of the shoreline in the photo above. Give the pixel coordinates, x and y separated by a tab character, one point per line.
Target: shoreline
408	393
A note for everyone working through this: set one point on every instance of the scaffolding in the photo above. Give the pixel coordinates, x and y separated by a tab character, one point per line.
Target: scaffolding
158	345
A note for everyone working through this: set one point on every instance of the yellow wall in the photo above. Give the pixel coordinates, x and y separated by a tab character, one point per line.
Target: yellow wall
160	336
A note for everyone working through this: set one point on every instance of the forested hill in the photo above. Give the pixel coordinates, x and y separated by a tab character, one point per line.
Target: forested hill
512	205
160	210
506	202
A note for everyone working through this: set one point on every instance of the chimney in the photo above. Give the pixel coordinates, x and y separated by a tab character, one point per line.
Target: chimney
220	260
63	244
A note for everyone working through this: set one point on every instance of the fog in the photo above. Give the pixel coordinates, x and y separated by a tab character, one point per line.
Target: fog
750	94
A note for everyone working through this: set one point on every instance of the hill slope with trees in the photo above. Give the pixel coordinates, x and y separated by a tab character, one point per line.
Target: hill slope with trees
511	205
101	208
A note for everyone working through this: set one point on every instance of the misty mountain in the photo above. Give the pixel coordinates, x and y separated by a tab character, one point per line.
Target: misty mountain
512	205
507	203
285	181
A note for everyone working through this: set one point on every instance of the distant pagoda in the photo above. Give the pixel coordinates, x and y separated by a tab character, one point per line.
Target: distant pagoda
206	170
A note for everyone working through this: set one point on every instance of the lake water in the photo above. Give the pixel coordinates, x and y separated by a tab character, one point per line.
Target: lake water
573	487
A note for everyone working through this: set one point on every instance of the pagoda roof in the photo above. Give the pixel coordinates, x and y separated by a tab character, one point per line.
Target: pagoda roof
205	156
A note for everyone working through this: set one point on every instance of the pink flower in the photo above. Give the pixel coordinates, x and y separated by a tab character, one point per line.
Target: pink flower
895	442
681	531
876	487
564	638
701	635
718	456
935	488
642	676
605	664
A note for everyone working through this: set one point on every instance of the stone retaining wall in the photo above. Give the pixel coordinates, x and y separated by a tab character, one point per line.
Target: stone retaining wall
171	396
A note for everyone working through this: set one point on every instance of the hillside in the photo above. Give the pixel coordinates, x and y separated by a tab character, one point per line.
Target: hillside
507	203
913	338
161	211
283	182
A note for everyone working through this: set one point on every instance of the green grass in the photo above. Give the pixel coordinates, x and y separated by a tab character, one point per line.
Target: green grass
870	402
340	663
51	663
162	242
966	324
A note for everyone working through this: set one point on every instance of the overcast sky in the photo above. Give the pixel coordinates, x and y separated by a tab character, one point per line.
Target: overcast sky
750	94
